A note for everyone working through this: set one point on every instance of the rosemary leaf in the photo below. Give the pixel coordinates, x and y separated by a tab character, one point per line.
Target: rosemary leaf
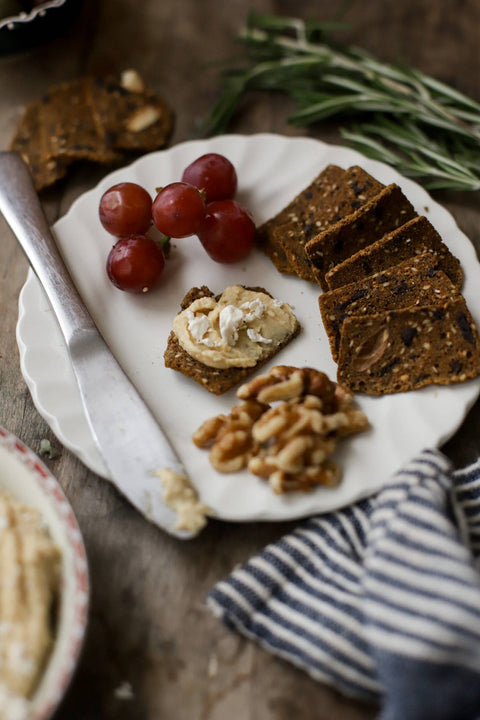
402	116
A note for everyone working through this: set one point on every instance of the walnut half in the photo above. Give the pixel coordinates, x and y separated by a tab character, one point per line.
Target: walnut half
230	436
285	382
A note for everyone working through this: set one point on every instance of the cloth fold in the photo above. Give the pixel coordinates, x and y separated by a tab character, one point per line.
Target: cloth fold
380	599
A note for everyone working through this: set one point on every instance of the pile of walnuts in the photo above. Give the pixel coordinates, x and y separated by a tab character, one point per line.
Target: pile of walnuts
285	430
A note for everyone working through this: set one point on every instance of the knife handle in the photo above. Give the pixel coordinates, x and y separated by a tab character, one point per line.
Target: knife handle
22	210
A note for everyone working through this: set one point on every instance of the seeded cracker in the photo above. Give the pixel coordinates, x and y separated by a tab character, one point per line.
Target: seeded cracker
29	142
402	350
130	120
415	281
383	213
215	380
333	194
413	238
71	130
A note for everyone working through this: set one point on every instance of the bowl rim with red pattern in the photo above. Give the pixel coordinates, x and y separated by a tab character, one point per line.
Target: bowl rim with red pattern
26	477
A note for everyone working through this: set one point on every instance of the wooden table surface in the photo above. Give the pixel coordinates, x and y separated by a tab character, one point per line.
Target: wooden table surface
149	625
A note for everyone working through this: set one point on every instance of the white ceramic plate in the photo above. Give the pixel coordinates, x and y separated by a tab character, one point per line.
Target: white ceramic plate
24	476
271	170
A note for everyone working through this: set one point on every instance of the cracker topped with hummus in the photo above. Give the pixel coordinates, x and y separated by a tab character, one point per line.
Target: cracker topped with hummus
219	341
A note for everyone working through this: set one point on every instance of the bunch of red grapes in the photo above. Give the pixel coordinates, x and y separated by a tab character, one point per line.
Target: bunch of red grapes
201	204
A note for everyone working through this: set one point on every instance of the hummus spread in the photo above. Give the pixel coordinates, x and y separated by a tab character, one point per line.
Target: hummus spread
30	572
180	495
238	330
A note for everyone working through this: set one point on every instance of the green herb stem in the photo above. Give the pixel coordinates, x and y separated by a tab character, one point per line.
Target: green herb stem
415	122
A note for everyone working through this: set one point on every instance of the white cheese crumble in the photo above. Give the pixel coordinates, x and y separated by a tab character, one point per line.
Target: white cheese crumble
236	330
256	307
198	327
255	336
230	321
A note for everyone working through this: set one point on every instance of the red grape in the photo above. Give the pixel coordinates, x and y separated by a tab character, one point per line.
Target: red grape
178	210
227	232
135	264
126	209
214	174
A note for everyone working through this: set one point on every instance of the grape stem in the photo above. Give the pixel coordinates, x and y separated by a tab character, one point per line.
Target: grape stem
165	244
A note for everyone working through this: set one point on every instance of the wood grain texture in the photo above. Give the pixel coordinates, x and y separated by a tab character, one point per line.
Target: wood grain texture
149	625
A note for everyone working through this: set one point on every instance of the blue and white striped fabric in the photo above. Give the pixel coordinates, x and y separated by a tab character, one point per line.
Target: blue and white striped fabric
381	599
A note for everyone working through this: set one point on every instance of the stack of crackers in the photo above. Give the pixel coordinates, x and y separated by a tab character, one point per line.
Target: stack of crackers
391	305
100	120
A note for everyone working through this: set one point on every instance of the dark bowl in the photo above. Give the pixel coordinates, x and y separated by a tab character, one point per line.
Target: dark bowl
28	29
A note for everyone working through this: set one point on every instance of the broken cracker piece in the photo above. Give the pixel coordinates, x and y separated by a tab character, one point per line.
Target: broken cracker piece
132	120
29	142
93	120
69	125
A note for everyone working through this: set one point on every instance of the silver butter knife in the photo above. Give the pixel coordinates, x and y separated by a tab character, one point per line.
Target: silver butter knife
129	439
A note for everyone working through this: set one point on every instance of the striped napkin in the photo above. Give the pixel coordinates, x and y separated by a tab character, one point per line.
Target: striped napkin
381	599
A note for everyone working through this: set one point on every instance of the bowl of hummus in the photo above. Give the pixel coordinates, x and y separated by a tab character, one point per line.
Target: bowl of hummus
44	590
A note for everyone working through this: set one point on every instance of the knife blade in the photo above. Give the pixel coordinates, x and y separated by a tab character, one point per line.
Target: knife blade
129	439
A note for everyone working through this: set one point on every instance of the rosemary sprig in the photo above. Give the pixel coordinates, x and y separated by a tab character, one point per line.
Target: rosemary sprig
426	128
